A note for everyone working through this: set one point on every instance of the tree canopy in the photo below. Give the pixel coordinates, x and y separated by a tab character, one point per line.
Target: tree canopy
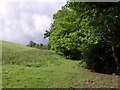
89	31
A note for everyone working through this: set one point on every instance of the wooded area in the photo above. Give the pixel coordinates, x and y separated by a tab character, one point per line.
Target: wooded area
37	45
88	31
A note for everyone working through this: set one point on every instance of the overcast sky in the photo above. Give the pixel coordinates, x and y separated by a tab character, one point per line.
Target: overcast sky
21	22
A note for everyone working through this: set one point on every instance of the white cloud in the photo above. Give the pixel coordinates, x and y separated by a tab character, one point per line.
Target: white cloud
21	22
33	0
41	22
2	7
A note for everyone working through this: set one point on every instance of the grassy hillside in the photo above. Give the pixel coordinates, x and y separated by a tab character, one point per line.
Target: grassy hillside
25	67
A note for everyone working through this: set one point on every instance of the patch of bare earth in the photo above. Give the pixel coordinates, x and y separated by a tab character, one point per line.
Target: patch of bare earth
103	81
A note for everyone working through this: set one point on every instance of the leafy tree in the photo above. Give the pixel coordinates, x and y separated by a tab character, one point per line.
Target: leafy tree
46	34
80	28
31	44
64	34
103	19
36	45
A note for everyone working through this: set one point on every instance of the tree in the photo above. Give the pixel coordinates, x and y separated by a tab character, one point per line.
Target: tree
46	34
37	45
31	44
80	28
65	34
103	19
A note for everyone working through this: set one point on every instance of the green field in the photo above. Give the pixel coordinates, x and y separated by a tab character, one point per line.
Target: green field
25	67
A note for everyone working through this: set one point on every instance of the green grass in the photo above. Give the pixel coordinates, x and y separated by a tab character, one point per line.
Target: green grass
25	67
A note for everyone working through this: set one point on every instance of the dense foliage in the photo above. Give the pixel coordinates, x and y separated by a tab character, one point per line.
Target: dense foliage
89	31
36	45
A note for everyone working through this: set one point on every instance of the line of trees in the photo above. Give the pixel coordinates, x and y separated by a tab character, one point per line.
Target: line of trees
89	31
36	45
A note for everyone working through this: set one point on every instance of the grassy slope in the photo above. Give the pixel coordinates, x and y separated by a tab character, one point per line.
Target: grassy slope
33	68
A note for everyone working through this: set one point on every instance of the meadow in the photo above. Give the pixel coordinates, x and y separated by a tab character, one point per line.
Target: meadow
25	67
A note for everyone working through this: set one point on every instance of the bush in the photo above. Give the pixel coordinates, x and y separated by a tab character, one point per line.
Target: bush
99	58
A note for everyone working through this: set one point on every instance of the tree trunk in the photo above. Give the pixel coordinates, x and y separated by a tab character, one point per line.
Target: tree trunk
116	55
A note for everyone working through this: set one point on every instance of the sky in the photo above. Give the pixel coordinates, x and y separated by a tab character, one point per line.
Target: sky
22	21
